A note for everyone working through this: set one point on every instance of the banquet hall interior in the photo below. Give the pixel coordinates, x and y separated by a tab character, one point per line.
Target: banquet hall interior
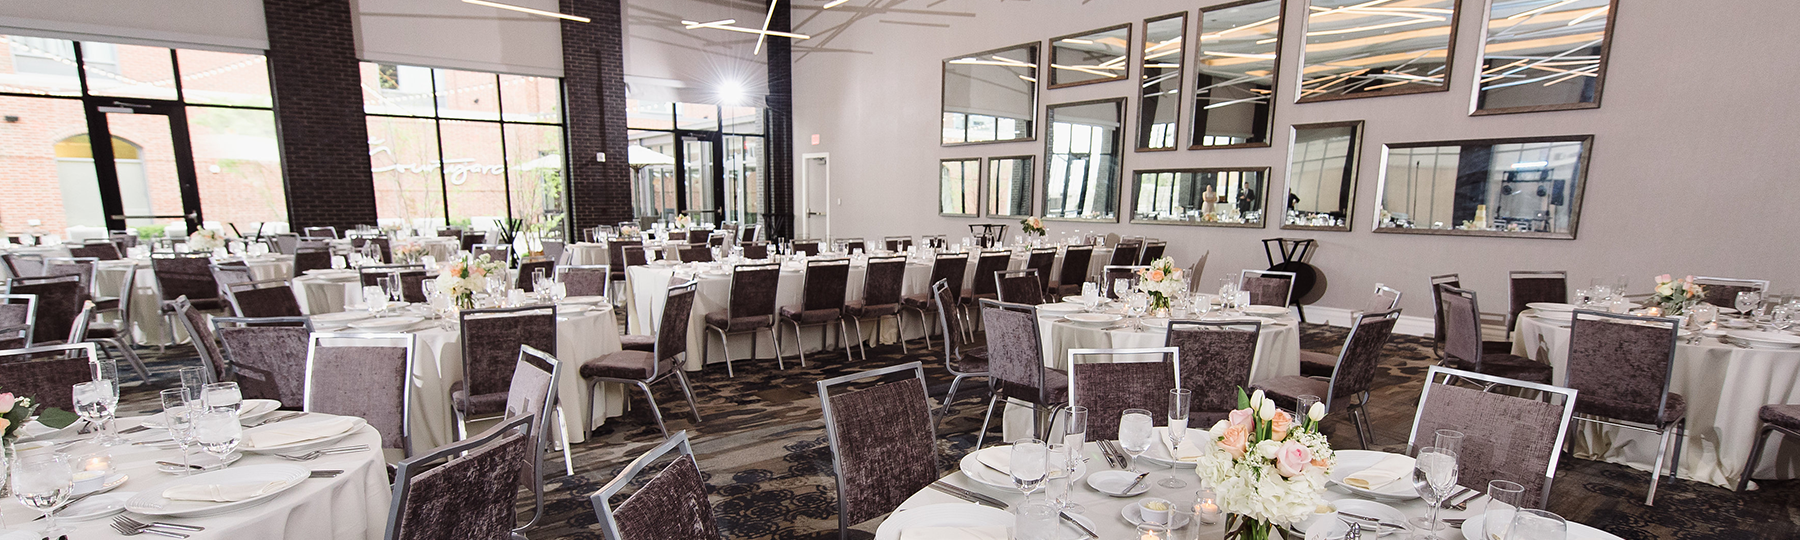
1214	269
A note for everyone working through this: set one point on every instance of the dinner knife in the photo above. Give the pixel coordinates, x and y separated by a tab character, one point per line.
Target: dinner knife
970	495
1084	528
1137	482
178	465
1376	521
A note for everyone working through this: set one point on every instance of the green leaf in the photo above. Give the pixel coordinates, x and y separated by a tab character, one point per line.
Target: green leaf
1243	399
57	418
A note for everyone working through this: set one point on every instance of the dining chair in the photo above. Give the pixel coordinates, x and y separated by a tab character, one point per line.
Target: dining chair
585	279
883	442
1153	250
1019	286
553	249
1529	286
1622	364
123	239
1352	379
1109	381
754	250
1074	271
749	307
529	267
934	241
615	257
1437	318
199	331
883	279
897	243
47	372
642	369
82	267
673	505
494	252
369	275
449	232
226	275
266	298
311	259
386	248
185	275
18	320
853	244
1505	437
1462	342
808	247
104	250
1384	298
1722	292
320	232
1267	288
1110	276
286	243
470	239
987	265
266	356
961	359
1775	418
1016	365
364	375
23	264
821	303
1197	271
1216	357
472	494
718	238
58	305
1125	253
750	233
947	268
676	235
695	253
533	394
490	341
1044	261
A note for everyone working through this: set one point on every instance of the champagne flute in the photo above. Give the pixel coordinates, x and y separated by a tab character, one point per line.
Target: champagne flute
1075	420
1434	475
1029	465
1179	403
1448	439
192	380
43	482
218	432
1136	432
178	418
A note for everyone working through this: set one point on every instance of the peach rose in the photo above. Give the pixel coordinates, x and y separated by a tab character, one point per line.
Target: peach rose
6	402
1241	417
1235	441
4	423
1279	426
1292	458
1154	275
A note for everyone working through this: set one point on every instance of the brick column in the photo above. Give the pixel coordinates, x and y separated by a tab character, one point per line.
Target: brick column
319	113
594	86
778	210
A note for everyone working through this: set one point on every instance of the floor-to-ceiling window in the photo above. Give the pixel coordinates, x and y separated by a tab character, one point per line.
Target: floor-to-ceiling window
465	148
191	134
704	161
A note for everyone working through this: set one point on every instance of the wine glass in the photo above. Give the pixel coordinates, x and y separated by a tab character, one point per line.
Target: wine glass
1538	525
395	288
178	418
1434	475
1448	439
1075	420
222	396
1748	302
1781	317
42	482
1030	465
90	402
1180	400
218	432
1136	432
1120	288
192	380
1503	501
1136	308
106	372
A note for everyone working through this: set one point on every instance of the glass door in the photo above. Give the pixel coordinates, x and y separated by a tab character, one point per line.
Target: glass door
703	180
156	183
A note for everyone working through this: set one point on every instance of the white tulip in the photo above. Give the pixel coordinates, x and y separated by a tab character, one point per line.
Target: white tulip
1256	399
1218	430
1317	412
1268	410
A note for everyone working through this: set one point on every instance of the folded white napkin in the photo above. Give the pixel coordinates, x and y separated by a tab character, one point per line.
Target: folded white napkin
956	533
221	492
1191	444
1388	470
998	457
295	431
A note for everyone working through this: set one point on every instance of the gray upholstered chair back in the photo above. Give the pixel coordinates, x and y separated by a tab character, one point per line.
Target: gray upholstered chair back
533	395
266	298
47	373
286	243
754	250
884	280
853	244
883	443
633	255
1461	314
491	340
950	268
23	265
672	331
100	250
949	323
267	356
1361	355
1075	265
73	266
1267	288
1110	276
1125	253
753	290
1385	298
1505	437
988	264
1015	354
18	320
671	506
897	243
367	376
1109	381
1019	286
200	332
369	274
1723	292
826	283
184	275
1527	286
311	259
1044	261
319	232
227	275
530	266
58	303
585	279
470	239
1216	357
696	253
494	252
615	251
1153	250
1622	362
473	495
553	249
1437	306
808	247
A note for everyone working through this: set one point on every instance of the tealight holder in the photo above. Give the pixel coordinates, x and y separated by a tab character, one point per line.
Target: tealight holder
1206	506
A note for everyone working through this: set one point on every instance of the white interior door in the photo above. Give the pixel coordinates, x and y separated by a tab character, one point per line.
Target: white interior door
815	178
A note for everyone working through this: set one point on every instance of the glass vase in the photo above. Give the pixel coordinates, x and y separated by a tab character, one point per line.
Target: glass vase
1241	527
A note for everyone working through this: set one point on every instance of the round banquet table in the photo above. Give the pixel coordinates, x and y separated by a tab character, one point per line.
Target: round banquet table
146	305
1277	353
327	293
351	505
585	253
1724	385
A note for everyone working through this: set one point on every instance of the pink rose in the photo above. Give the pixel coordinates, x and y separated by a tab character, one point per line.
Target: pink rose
1292	458
1241	417
6	403
1235	440
1663	278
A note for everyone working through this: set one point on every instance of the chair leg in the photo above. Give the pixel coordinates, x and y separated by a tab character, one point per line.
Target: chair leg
1762	439
1357	417
860	338
657	411
462	428
1675	460
899	331
723	345
949	397
982	435
1662	449
689	392
137	364
800	348
562	426
775	341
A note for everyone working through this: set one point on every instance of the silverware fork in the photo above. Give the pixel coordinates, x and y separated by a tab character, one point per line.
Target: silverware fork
127	521
128	530
316	454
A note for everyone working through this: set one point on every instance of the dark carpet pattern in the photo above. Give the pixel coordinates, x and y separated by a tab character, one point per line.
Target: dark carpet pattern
762	452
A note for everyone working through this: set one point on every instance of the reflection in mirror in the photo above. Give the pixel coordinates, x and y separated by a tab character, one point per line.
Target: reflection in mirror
1217	197
1322	176
1009	186
1090	57
1159	111
1543	56
1081	171
1512	187
1235	79
991	96
1357	49
959	187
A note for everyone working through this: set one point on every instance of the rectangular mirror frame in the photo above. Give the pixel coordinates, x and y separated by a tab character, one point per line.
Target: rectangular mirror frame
1264	195
1118	168
978	187
1606	42
1180	75
1274	78
1050	57
1036	90
1449	64
993	195
1575	198
1355	171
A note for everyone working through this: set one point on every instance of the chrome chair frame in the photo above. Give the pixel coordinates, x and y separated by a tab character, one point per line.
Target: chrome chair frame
831	435
603	511
1288	298
407	468
1675	427
1489	381
411	346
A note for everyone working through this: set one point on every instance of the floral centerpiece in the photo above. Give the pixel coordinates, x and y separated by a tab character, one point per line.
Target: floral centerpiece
682	221
467	275
205	240
15	411
1676	295
409	251
1162	281
1268	468
1033	225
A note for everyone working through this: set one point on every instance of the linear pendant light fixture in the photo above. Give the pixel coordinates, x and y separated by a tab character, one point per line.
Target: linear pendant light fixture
761	35
523	9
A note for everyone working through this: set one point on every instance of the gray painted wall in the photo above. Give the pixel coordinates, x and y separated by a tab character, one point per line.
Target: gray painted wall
1693	167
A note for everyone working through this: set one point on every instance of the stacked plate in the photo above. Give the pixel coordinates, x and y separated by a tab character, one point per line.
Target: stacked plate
1354	461
1060	308
1266	311
1764	340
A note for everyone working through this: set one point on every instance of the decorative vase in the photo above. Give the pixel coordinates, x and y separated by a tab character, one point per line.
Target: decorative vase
465	300
1241	527
1159	303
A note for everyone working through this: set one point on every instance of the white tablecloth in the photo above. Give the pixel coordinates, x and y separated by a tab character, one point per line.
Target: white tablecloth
145	302
1723	384
351	505
584	253
322	294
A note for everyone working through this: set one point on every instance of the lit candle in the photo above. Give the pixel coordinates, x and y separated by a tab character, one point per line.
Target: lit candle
91	472
1206	506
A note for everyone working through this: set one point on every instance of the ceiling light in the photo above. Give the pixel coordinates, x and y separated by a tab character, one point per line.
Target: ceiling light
523	9
692	25
1523	14
1588	15
834	3
1078	41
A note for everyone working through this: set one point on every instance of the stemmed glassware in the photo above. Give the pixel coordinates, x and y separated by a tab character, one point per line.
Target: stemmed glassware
1121	287
218	432
540	284
178	418
1136	432
1075	420
1136	308
1749	303
1434	475
90	402
396	289
222	396
106	376
43	482
1030	465
1781	317
1179	402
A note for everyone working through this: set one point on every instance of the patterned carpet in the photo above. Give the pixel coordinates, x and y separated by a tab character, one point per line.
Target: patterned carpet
762	450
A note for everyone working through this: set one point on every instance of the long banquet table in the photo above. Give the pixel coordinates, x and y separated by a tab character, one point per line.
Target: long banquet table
1724	385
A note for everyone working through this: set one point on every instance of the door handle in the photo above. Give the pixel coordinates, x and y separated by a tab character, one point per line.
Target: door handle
821	214
175	216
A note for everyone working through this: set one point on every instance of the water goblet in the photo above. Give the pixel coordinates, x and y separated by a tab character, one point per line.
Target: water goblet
106	372
1448	439
1748	303
218	432
42	482
178	418
1434	476
1030	465
1136	432
90	402
1781	317
1180	400
222	396
395	288
1120	287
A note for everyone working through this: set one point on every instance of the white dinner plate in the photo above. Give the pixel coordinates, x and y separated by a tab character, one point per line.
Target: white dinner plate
1543	307
1265	321
1111	482
1093	319
1159	451
329	272
33	431
152	503
1354	461
943	515
309	444
387	323
95	507
1736	323
1472	530
1765	340
1059	308
197	458
1334	528
1559	318
252	410
1266	311
1131	514
971	467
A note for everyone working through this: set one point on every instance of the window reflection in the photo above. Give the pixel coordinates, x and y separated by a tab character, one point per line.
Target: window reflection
990	96
1009	186
1356	48
959	187
1543	56
1222	197
1160	103
1090	57
1498	188
1081	178
1235	84
1322	176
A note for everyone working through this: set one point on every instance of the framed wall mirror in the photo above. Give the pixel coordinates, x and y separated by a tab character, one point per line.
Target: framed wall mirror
1234	87
1227	197
1321	176
1090	57
1159	104
959	187
1009	186
1525	187
991	96
1081	164
1543	56
1357	49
